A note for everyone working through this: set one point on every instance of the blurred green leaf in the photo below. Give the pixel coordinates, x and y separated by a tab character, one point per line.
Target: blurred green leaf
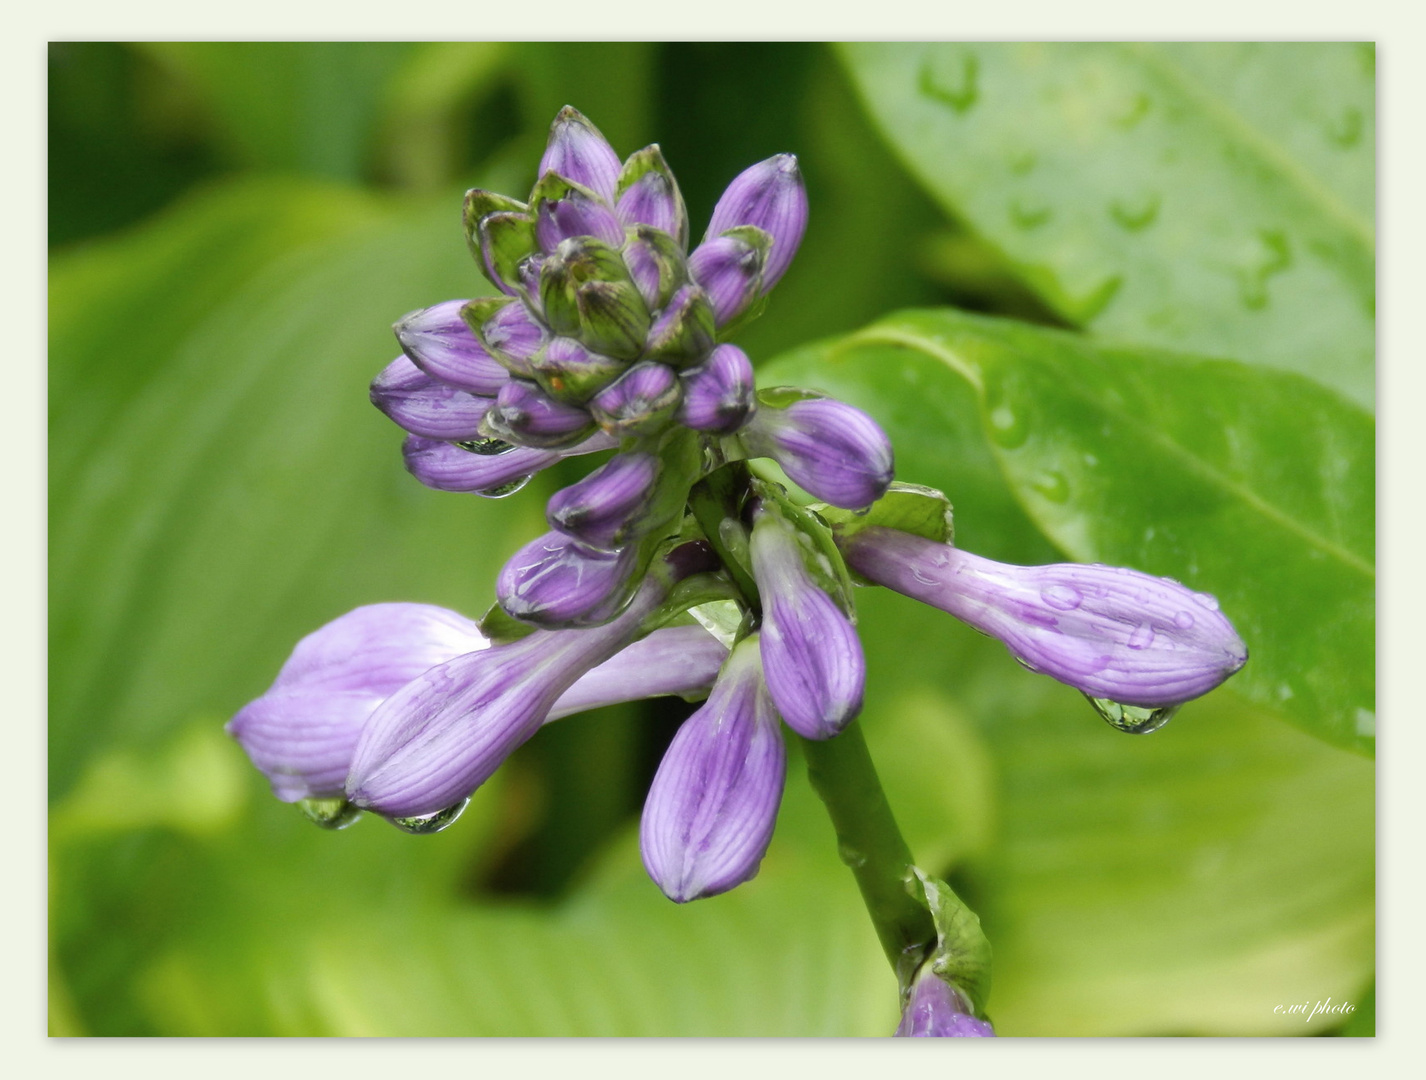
1256	486
1209	197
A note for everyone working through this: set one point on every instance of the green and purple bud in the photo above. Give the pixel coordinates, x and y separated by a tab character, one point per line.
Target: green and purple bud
649	195
424	405
729	268
712	806
835	452
578	151
438	341
610	507
772	197
683	333
641	401
557	582
719	395
936	1009
526	415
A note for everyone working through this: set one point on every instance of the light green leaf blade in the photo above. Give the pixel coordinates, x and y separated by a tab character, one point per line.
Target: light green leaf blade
1255	486
1208	197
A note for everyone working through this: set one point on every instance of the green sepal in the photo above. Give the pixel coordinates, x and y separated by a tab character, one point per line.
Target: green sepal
911	508
475	314
962	954
760	241
553	187
574	383
577	262
479	204
685	334
501	628
557	297
827	566
780	397
590	259
612	318
651	160
667	253
506	238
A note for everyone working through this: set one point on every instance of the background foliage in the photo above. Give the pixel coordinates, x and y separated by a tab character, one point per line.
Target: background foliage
1004	241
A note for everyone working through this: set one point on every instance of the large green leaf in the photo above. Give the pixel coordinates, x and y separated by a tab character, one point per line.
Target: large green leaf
1254	485
1210	197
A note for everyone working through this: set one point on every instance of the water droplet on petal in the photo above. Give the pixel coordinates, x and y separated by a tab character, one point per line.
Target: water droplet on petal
503	490
1208	600
1061	597
486	447
1133	719
1142	637
329	813
431	823
1183	620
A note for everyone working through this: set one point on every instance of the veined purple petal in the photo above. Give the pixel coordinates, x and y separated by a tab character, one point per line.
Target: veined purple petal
440	343
524	414
652	200
719	395
713	803
771	196
730	271
835	452
444	733
515	334
303	731
1108	631
555	581
575	215
578	151
424	405
448	467
601	510
937	1009
639	401
811	654
681	660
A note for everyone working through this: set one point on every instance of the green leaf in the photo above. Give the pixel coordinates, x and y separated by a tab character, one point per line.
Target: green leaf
912	508
1253	485
962	956
1209	197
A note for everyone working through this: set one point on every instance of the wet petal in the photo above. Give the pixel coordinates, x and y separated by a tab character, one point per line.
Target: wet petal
426	406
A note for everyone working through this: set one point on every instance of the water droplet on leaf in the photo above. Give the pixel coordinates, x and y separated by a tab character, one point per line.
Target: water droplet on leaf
960	97
329	813
486	447
1133	719
1052	485
431	823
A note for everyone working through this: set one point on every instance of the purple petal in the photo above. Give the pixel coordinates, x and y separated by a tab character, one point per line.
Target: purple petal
448	467
604	508
729	270
937	1009
1108	631
652	200
836	453
639	401
575	215
771	196
713	803
513	333
302	733
682	660
812	657
444	733
555	581
440	343
424	405
578	151
524	414
719	395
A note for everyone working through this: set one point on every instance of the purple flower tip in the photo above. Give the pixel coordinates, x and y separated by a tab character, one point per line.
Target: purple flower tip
639	401
427	406
1110	632
524	414
440	343
713	803
812	657
935	1009
771	196
835	452
578	151
719	395
729	270
556	581
604	509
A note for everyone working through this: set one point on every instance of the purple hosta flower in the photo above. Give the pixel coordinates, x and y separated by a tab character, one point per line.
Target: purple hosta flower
712	806
525	414
812	658
719	395
513	337
729	269
441	735
577	150
935	1008
607	509
424	405
640	402
835	452
556	581
1113	633
485	466
770	196
439	342
678	660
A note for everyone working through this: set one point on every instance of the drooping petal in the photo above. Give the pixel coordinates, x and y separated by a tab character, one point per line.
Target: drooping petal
834	451
935	1009
439	342
713	803
719	395
1110	632
426	406
682	660
577	150
771	196
555	581
444	733
812	657
524	414
303	731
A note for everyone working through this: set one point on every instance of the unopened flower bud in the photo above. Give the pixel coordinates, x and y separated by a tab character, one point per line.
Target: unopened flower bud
569	372
836	453
719	395
656	264
564	210
485	467
642	400
935	1008
524	414
684	333
557	582
607	508
577	150
812	657
1110	632
713	803
511	336
439	342
730	270
771	196
613	318
681	660
427	406
480	204
649	195
505	238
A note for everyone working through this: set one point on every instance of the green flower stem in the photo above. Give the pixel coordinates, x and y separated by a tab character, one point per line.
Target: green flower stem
715	499
871	845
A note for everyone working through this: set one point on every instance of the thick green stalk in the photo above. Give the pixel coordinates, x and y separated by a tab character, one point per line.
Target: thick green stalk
871	845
